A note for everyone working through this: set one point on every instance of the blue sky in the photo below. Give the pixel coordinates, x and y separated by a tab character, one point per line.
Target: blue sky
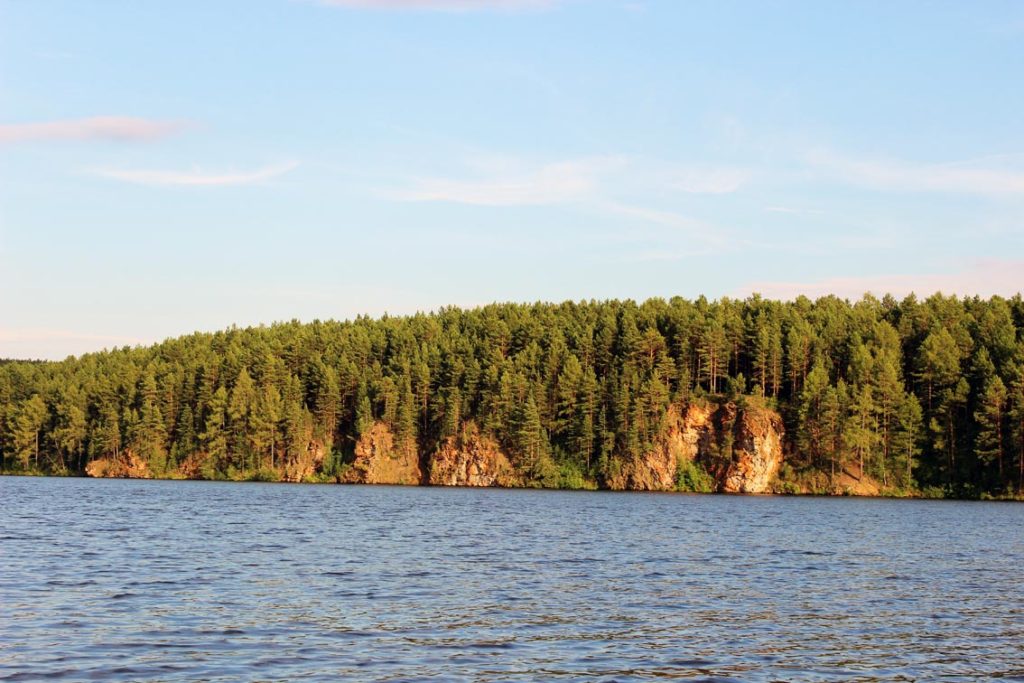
170	167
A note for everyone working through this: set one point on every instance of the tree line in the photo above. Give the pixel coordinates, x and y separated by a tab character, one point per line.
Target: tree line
920	395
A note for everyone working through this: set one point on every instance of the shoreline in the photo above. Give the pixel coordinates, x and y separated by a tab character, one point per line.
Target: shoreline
767	494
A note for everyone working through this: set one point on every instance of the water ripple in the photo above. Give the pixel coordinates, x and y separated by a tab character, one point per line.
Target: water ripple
141	580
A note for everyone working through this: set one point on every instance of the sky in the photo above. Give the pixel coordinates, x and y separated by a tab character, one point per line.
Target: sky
167	167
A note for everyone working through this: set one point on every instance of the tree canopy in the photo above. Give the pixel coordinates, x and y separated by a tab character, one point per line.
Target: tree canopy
917	393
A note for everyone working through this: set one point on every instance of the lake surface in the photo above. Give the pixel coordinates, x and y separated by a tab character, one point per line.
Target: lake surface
153	580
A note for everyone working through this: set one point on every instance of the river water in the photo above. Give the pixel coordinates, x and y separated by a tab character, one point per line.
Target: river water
159	580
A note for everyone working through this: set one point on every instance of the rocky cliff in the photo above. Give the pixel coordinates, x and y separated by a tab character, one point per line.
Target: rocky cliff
756	452
125	466
471	459
379	459
655	470
740	447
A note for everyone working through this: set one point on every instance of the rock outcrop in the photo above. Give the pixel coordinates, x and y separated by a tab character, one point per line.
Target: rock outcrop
127	465
740	447
306	465
850	483
756	452
194	466
656	469
380	460
471	459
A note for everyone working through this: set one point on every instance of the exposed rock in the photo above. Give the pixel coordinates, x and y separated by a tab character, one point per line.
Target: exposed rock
379	460
756	452
702	433
126	466
849	483
306	465
656	469
194	465
471	459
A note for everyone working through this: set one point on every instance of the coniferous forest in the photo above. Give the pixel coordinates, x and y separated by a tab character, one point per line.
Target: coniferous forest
926	395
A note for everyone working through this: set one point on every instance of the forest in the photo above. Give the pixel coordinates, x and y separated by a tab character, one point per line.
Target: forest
925	395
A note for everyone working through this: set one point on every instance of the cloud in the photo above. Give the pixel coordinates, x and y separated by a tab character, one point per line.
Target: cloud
982	278
445	5
901	176
793	211
573	180
107	128
197	177
555	183
710	180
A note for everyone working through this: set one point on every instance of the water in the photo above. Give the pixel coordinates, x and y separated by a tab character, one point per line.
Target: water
149	580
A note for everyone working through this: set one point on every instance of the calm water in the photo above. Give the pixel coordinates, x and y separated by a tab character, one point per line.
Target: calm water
146	580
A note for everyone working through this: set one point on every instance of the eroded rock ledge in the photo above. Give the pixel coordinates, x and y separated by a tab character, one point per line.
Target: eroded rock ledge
740	446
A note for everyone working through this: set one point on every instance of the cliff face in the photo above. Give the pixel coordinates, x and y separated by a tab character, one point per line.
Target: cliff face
756	452
127	466
741	448
704	434
655	470
380	460
305	465
471	459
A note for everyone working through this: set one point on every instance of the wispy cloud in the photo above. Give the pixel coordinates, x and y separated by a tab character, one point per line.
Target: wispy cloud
982	278
109	128
554	183
197	177
573	180
446	5
965	177
793	211
700	237
637	193
710	180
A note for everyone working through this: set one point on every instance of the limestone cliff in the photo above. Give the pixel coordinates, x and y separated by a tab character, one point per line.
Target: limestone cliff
194	466
305	465
125	466
380	460
756	452
471	459
655	470
740	447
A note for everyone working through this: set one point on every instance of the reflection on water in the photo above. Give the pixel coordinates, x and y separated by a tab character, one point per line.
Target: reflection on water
145	580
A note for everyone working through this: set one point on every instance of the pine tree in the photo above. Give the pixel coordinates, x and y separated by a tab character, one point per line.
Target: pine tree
814	421
29	420
991	417
364	411
150	438
452	416
240	411
938	363
214	438
860	434
266	420
529	433
906	438
72	428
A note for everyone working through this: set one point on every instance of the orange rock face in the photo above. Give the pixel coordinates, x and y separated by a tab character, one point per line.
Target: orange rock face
655	470
745	462
126	466
756	452
306	465
471	459
379	460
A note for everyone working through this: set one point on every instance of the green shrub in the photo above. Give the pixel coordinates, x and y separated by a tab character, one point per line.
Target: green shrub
691	476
